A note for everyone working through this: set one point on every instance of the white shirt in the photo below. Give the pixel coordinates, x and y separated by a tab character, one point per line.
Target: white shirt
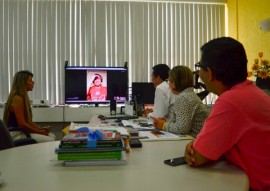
163	98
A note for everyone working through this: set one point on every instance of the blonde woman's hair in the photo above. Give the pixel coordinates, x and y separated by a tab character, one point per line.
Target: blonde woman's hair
18	88
182	77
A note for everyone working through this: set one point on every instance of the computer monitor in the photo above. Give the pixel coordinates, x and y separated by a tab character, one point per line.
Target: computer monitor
95	85
143	92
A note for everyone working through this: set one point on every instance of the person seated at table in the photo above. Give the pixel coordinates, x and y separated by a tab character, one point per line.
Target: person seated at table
188	113
163	97
18	113
238	127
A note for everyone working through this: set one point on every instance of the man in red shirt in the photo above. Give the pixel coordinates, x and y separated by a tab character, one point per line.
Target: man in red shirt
238	126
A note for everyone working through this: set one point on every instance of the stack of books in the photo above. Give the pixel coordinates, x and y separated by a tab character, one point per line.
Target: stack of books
95	148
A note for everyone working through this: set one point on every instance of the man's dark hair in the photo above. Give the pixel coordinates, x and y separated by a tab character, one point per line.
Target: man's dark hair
227	59
161	70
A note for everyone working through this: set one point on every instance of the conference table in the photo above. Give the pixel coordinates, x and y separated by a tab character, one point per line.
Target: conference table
32	168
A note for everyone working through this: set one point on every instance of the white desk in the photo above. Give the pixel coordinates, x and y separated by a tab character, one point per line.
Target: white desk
30	168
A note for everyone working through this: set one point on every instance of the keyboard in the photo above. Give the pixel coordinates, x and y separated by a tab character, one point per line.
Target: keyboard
121	117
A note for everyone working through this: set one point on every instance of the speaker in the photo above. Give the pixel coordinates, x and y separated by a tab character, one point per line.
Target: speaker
113	107
265	25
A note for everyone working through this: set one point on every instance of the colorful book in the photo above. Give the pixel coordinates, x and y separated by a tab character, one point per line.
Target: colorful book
80	140
75	137
88	150
80	136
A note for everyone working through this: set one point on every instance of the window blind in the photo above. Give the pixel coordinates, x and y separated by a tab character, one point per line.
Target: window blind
40	35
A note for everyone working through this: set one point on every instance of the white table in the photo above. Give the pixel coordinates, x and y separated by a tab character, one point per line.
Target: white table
29	168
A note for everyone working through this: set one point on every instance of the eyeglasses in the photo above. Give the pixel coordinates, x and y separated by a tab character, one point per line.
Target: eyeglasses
169	81
198	66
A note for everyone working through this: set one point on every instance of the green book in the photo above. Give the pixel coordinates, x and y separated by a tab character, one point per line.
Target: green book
88	150
84	156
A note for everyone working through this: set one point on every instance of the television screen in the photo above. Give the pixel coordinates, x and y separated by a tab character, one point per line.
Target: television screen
93	85
143	92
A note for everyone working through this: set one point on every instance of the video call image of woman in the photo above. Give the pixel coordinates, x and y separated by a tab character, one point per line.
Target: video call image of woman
97	91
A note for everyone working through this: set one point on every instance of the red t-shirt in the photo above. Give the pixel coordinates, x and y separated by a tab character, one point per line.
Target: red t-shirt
239	129
97	93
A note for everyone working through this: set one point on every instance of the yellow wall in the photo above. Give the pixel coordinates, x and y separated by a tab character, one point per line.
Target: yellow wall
243	19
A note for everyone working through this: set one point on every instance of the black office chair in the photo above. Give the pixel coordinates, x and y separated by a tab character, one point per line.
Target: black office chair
199	85
6	141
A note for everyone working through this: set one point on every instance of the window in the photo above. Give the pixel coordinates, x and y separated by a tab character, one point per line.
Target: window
41	35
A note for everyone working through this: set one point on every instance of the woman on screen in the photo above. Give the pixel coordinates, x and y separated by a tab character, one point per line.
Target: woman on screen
97	92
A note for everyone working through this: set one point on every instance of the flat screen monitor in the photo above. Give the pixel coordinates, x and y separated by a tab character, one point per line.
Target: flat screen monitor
94	85
143	92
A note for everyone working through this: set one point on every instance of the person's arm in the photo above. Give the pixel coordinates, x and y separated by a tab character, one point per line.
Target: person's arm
181	124
88	95
147	111
158	123
193	157
18	108
171	114
105	92
161	104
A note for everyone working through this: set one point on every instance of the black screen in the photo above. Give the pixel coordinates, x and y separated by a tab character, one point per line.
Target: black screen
87	85
143	92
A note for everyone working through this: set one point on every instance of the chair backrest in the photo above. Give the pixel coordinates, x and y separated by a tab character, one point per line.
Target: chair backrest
6	141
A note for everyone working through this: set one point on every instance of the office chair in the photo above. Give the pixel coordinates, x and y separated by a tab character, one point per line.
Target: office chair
199	85
6	141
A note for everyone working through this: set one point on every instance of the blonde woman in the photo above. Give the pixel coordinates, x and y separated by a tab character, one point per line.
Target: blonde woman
18	112
188	114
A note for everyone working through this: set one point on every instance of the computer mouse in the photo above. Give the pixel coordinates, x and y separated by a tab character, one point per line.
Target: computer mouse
118	120
101	116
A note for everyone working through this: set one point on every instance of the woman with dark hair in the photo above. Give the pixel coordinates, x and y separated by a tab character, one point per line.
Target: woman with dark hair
188	113
97	92
18	112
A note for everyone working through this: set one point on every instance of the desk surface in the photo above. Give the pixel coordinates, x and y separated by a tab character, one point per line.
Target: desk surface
30	168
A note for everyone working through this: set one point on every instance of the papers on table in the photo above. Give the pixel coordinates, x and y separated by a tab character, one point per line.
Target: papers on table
145	127
75	126
161	136
129	123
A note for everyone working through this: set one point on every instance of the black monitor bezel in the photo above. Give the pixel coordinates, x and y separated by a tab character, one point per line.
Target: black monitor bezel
93	68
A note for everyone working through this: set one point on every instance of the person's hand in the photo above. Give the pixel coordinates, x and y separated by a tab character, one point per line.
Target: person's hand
190	154
158	122
46	128
147	111
43	132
